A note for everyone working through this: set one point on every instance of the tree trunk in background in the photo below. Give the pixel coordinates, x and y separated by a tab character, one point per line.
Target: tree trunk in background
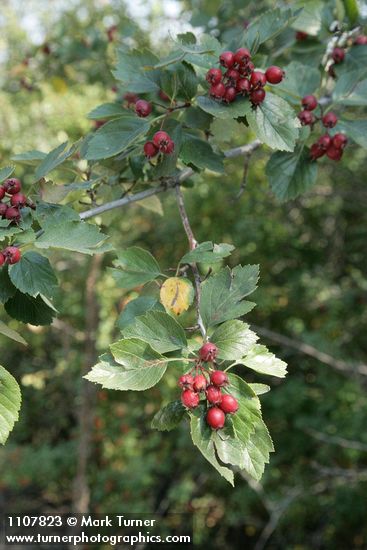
81	491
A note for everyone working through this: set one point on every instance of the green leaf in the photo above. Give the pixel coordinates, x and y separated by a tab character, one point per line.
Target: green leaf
260	359
202	437
257	451
240	107
7	289
180	81
249	410
169	416
300	80
6	172
134	69
138	267
259	389
197	118
10	333
233	339
30	157
274	123
351	9
310	18
350	91
230	450
291	174
207	253
159	330
107	110
167	165
199	153
222	294
10	402
56	157
115	136
137	307
29	310
77	236
34	275
355	129
267	26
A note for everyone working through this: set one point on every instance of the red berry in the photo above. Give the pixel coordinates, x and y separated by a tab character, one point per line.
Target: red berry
99	123
208	352
300	36
230	94
186	381
170	147
229	404
213	394
258	79
232	76
163	96
243	86
3	209
12	213
190	399
226	59
12	254
218	378
12	186
309	102
162	141
150	150
242	56
361	40
333	153
340	140
316	151
306	118
130	98
143	108
200	383
19	200
2	192
218	90
214	76
249	67
257	96
338	55
2	259
324	141
274	74
329	120
216	418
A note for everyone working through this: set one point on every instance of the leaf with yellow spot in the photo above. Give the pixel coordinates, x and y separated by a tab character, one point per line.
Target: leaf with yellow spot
177	294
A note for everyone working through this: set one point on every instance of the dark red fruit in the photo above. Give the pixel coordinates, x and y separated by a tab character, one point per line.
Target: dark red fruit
12	186
316	151
130	98
12	254
229	404
162	140
213	394
306	118
333	153
230	94
232	76
329	120
226	59
340	141
258	79
2	192
257	96
218	378
242	56
218	90
200	382
338	55
150	150
214	76
99	123
170	147
3	209
249	67
309	102
324	141
216	418
274	74
361	40
186	381
243	86
2	259
208	352
301	36
143	108
190	399
12	213
163	96
19	200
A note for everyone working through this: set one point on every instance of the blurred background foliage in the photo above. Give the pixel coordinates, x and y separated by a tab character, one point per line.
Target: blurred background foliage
55	67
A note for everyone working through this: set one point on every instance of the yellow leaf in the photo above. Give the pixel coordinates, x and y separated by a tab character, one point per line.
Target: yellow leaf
59	85
177	294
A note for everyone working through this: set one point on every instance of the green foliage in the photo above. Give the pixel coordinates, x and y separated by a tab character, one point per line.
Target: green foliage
10	401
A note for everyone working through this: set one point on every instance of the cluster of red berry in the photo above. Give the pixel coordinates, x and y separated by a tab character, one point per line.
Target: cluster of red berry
332	147
240	78
210	382
11	210
161	143
10	255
